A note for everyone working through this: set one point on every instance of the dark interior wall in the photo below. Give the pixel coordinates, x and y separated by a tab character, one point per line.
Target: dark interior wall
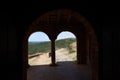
107	54
3	46
111	45
17	18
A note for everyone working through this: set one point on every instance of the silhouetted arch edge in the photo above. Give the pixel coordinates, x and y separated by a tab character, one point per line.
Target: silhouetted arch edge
92	36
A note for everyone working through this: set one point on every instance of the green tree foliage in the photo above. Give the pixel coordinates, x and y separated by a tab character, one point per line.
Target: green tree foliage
46	46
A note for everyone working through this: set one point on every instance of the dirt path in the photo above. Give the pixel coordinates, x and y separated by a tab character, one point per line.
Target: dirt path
40	60
45	59
61	55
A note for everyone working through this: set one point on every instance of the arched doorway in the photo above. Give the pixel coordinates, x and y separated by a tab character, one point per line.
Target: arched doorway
39	46
66	47
54	22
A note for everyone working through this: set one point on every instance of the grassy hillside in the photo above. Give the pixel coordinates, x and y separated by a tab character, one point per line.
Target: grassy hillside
35	47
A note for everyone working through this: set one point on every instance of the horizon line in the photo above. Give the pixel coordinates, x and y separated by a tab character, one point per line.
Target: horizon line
55	40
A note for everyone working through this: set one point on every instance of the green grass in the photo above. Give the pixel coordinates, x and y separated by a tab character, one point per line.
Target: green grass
34	47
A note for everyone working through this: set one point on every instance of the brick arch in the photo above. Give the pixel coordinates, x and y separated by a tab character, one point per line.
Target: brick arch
61	20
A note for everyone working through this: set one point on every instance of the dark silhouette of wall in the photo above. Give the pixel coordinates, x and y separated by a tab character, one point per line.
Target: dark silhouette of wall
16	19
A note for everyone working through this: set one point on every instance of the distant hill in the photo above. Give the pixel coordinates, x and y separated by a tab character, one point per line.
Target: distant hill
40	47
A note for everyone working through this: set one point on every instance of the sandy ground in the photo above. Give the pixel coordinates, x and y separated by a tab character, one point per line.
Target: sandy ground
61	55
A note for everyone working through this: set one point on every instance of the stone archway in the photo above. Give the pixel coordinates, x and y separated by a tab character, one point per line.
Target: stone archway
56	21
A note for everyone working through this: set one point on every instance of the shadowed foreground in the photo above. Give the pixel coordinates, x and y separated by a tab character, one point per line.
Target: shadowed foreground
67	70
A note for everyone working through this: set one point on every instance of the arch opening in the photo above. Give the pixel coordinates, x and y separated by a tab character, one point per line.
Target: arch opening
66	47
39	46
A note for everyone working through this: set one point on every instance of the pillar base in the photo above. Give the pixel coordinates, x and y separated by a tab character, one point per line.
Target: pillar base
53	65
28	66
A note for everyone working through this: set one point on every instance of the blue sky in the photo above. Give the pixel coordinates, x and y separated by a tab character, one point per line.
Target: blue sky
40	36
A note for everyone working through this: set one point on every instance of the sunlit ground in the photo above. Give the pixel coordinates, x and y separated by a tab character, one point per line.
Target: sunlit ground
44	59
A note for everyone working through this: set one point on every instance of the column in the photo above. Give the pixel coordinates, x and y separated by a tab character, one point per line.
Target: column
53	60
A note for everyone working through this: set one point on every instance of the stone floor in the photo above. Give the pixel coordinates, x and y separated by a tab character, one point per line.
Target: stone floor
66	70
